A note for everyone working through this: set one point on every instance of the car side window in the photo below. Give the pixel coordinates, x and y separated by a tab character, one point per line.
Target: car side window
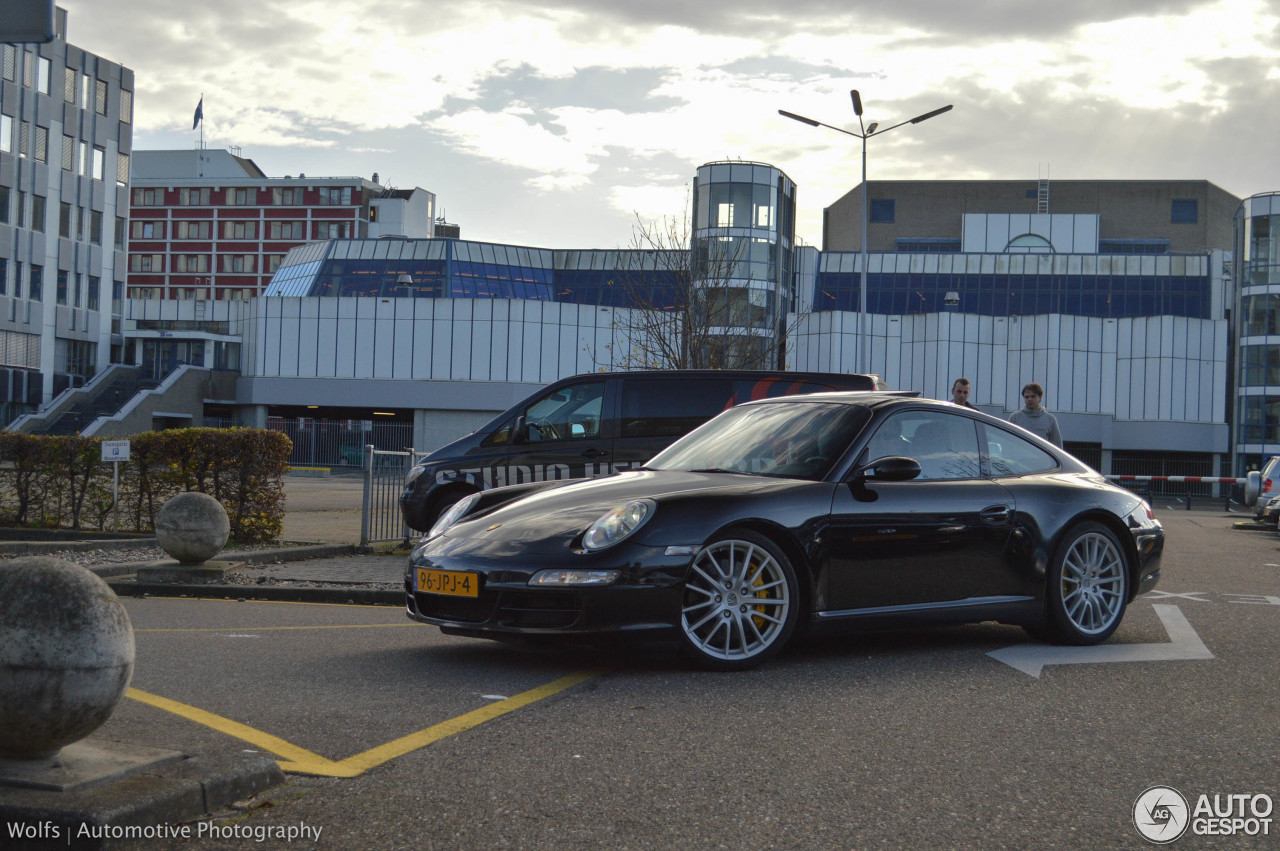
570	413
1012	455
945	445
671	408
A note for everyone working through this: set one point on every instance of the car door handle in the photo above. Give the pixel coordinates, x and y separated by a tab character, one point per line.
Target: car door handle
995	514
594	453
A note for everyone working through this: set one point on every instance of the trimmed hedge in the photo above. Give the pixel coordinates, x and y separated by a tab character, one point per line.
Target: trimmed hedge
61	481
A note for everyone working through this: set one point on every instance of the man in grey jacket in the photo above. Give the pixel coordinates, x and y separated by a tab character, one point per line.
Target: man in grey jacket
1034	418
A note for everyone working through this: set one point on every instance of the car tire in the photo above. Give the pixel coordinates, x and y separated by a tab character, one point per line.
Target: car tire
1088	586
740	604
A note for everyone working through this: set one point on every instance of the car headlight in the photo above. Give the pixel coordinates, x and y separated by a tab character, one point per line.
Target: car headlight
618	524
413	474
575	577
453	514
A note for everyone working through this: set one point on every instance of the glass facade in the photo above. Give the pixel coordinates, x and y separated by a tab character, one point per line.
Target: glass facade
1257	281
1029	291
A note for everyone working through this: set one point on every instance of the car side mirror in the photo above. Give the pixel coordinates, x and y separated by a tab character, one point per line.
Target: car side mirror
891	468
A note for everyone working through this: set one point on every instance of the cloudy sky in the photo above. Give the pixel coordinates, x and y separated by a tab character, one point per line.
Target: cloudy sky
556	122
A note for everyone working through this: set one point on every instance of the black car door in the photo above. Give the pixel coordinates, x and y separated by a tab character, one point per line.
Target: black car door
567	434
929	540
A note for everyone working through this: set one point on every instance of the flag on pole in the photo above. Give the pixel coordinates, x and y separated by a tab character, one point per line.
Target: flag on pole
199	113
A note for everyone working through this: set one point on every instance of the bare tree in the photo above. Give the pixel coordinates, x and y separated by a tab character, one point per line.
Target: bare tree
690	304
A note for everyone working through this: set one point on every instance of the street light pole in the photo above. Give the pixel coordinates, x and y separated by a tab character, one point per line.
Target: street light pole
867	131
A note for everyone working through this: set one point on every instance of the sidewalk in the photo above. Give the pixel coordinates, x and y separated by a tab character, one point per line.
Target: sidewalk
318	564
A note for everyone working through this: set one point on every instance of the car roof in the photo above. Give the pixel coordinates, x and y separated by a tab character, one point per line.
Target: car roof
865	398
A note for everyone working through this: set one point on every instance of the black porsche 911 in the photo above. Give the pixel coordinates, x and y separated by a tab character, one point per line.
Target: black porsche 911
798	513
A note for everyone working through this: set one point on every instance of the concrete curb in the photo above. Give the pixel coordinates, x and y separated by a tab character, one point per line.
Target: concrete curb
331	594
170	794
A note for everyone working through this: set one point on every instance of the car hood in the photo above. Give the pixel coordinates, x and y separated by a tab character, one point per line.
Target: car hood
565	511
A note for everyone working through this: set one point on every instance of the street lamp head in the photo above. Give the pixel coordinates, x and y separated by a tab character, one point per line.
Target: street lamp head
857	102
871	128
799	118
929	115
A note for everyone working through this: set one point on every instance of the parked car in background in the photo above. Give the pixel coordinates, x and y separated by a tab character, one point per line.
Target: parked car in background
1270	486
593	425
807	513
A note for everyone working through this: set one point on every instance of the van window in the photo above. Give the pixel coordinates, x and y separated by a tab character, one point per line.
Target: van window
570	413
668	408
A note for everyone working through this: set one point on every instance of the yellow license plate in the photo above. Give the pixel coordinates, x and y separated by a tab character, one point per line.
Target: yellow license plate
452	582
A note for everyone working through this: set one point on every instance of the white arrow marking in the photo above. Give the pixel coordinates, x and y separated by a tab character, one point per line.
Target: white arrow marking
1184	643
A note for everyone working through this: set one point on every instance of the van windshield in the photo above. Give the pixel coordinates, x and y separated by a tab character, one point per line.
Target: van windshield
800	440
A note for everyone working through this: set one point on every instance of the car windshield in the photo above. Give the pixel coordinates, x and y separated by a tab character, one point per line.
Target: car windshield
798	440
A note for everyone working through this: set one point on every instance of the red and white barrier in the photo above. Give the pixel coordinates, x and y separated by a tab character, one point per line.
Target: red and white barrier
1212	480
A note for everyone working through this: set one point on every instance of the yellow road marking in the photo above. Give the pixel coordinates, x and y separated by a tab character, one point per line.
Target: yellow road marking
301	761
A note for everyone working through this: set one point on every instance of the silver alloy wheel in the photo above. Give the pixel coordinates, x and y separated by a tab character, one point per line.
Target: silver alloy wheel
1092	583
737	600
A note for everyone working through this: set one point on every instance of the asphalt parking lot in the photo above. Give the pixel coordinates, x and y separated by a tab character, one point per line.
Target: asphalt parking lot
395	736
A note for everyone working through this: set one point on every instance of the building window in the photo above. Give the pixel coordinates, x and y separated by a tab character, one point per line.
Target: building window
68	153
191	230
927	245
335	195
4	276
273	262
287	197
146	262
332	230
126	106
148	197
95	227
69	86
100	97
6	133
141	229
239	263
4	205
21	220
37	213
24	139
63	278
191	263
120	233
44	70
882	211
1185	211
42	144
94	285
241	197
193	197
285	230
35	284
239	230
10	62
122	169
99	163
64	220
28	72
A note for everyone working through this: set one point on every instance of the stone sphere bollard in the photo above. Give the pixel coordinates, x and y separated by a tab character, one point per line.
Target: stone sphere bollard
192	527
66	655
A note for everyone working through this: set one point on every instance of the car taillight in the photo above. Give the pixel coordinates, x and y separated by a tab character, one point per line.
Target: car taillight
1266	486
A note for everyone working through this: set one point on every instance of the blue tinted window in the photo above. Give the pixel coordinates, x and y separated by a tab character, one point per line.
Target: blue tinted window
882	210
1185	211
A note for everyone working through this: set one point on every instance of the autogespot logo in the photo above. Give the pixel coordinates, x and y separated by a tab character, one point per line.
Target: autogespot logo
1161	814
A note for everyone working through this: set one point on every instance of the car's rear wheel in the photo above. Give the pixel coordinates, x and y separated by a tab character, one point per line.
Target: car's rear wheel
741	602
1088	586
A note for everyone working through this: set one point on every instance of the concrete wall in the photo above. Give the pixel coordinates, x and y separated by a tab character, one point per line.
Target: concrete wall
1128	209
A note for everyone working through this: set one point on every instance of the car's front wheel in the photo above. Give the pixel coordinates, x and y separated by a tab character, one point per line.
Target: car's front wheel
741	602
1088	586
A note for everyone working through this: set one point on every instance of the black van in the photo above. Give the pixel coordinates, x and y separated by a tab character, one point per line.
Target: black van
593	425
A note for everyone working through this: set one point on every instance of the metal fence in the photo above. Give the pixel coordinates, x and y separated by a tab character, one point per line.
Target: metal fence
339	443
384	476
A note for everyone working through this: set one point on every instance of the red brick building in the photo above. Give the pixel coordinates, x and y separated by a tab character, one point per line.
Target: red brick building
212	225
